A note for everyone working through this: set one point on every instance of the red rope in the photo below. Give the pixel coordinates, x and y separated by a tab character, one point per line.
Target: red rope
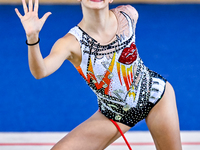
117	126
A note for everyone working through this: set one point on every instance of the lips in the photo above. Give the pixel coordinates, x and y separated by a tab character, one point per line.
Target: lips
129	55
96	0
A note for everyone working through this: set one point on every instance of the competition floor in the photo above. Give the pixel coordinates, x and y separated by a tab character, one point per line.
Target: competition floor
44	141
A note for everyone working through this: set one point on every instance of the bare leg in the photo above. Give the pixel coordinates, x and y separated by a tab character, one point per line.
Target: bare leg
163	122
96	133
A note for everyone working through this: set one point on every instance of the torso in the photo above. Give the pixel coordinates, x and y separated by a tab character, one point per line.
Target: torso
116	73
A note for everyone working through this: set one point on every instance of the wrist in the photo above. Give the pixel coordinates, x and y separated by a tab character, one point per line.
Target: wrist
32	38
32	44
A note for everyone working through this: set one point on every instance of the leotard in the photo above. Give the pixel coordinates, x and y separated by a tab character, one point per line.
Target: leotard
126	89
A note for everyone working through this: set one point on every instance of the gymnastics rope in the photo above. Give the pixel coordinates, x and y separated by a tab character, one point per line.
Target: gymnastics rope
117	126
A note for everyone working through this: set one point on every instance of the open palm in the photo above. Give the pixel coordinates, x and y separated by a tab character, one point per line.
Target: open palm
30	21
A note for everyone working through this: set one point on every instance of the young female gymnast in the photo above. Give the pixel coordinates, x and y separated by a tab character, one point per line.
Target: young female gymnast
102	48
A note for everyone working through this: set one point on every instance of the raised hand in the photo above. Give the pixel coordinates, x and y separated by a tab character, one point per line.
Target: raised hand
30	21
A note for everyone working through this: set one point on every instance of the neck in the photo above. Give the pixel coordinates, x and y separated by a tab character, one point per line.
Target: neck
94	19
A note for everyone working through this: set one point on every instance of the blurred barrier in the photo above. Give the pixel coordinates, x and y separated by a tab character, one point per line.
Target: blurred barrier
115	1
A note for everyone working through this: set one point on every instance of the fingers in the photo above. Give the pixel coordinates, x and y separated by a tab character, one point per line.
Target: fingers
36	6
24	6
30	5
18	13
44	18
30	9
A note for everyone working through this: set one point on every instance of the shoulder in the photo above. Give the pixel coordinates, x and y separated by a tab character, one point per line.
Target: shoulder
71	42
67	46
67	41
129	10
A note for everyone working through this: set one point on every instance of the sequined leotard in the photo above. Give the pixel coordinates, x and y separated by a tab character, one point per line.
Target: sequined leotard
126	89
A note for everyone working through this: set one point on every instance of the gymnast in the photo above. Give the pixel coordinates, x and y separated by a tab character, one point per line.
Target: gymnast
102	48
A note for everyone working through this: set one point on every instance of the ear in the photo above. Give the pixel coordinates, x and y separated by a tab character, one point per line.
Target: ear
79	0
111	1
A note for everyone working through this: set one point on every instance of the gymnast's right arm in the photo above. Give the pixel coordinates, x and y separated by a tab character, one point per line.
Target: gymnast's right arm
61	50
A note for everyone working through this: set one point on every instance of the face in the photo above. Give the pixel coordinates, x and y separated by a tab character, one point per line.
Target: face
95	4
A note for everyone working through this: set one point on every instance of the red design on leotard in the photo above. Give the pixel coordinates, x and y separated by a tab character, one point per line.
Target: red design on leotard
129	55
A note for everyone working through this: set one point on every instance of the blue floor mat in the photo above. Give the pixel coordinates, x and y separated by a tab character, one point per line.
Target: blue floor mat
167	37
